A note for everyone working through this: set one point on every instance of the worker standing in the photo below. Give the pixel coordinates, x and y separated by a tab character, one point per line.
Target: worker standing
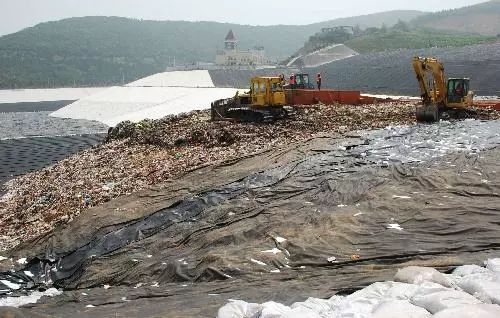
292	81
318	81
282	80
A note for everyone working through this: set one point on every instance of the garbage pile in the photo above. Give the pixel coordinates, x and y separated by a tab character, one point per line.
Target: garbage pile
419	292
138	155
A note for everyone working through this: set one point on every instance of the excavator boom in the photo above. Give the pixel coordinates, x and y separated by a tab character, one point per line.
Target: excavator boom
431	78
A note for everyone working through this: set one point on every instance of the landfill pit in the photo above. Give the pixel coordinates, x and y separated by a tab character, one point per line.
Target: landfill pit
324	204
140	155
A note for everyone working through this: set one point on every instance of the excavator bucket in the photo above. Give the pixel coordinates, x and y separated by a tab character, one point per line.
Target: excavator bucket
427	113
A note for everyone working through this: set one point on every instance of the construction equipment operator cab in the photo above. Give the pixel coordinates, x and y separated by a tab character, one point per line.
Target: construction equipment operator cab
458	89
267	91
302	82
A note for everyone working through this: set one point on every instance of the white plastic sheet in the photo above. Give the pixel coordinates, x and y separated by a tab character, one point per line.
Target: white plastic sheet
118	104
10	96
197	78
28	299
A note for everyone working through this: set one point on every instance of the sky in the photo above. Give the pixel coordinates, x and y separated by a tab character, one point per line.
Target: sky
19	14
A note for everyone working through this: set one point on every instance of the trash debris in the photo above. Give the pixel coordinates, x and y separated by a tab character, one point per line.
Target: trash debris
273	251
355	257
332	259
258	262
401	197
280	239
136	156
10	285
394	226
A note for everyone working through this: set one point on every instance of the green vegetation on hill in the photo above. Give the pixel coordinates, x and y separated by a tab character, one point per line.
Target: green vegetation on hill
109	50
390	39
401	36
483	18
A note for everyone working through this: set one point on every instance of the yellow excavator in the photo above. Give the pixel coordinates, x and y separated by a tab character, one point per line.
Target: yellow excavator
266	101
439	94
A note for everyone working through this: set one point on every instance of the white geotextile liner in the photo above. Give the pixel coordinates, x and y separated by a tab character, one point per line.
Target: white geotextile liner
11	96
118	104
199	78
470	291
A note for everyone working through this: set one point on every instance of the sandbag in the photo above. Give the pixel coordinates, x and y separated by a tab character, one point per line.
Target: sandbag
485	290
436	301
272	309
301	312
323	307
239	309
418	275
493	265
471	311
467	270
398	309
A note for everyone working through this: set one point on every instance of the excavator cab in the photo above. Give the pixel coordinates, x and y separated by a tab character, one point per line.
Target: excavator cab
458	90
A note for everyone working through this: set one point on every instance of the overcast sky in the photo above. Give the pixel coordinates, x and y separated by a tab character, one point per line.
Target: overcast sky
19	14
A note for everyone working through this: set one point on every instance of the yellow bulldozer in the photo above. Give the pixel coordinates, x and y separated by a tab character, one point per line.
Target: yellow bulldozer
438	93
266	101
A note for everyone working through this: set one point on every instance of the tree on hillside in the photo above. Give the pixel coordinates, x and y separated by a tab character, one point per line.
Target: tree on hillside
401	26
383	28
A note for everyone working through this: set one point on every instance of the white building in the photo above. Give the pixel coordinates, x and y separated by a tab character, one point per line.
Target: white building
232	56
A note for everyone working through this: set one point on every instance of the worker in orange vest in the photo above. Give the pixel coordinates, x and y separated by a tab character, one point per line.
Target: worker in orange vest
318	81
292	80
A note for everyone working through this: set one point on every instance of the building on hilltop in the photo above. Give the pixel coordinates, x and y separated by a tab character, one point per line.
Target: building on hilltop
232	56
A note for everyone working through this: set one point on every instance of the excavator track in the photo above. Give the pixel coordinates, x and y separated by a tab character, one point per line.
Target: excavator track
265	104
229	109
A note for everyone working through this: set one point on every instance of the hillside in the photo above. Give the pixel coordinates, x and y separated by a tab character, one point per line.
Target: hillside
483	18
390	72
402	35
388	18
107	50
413	39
